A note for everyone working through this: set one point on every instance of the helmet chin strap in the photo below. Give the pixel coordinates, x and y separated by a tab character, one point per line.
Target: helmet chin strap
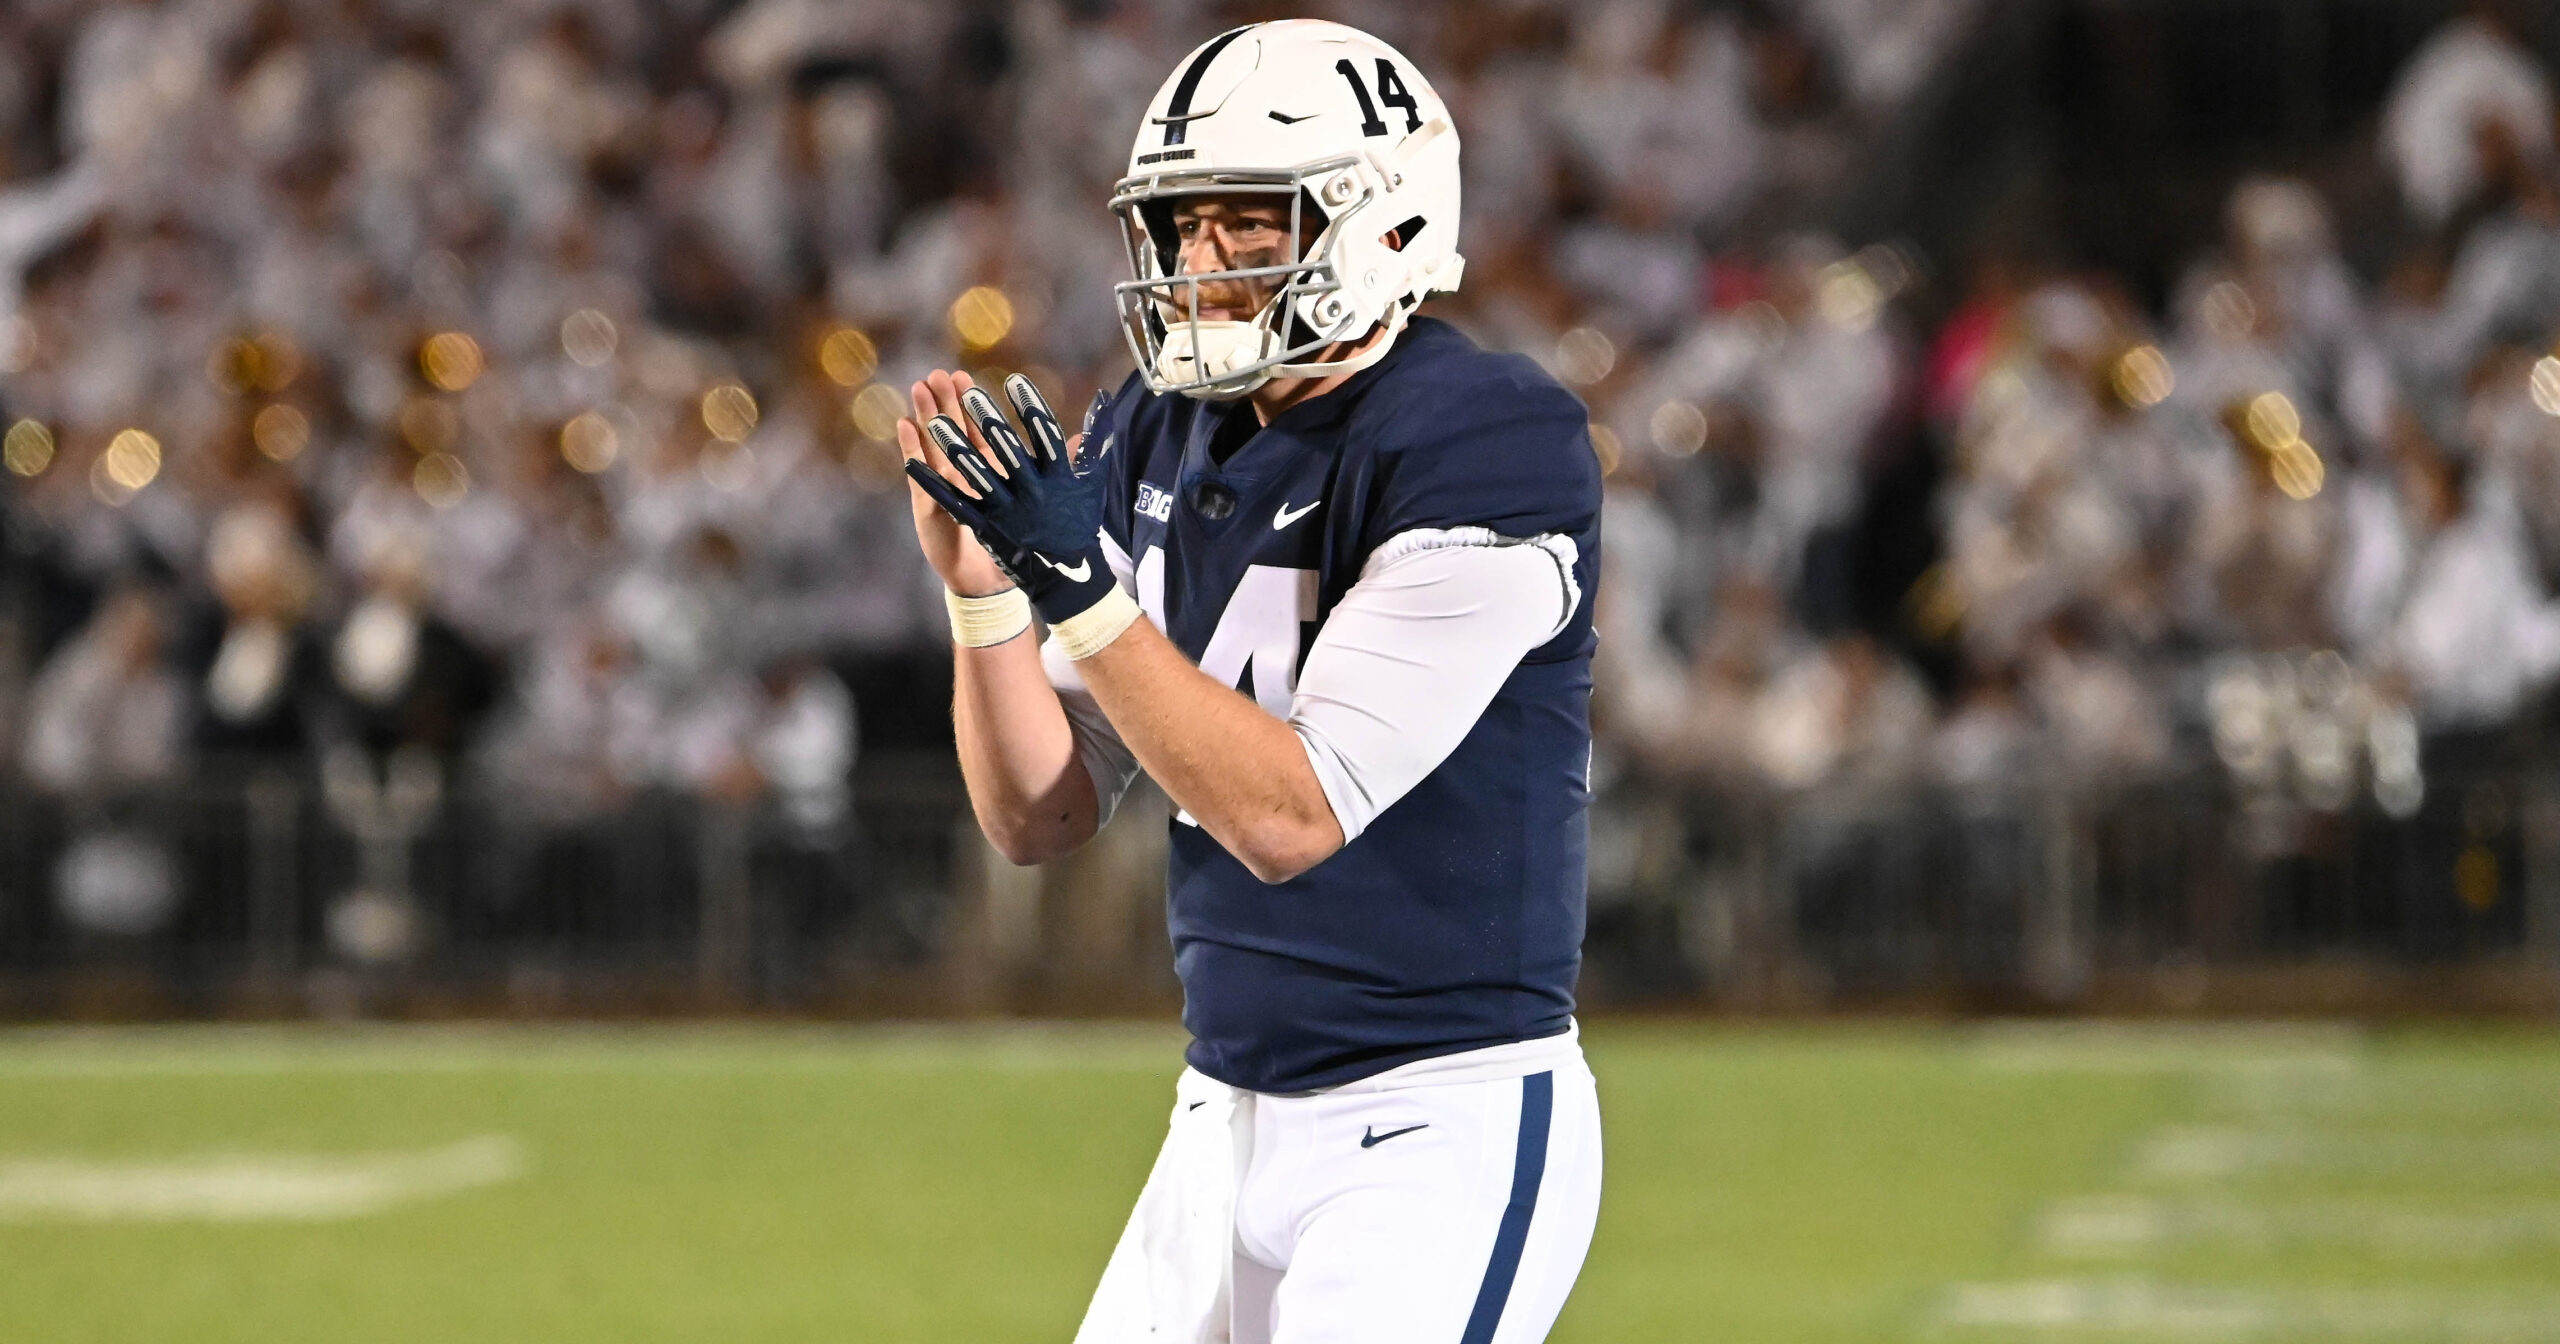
1203	349
1381	340
1196	350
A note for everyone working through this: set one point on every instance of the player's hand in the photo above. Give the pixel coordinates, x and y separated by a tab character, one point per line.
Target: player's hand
1032	505
963	564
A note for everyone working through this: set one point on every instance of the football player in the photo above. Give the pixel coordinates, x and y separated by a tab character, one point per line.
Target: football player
1323	569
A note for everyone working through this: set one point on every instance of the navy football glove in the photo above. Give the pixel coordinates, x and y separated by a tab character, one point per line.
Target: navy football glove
1041	516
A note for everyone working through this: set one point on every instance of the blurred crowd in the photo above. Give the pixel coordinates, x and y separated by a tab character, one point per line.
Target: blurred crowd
2302	522
509	389
506	391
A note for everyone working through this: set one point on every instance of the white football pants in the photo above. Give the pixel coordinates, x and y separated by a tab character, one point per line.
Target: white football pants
1449	1201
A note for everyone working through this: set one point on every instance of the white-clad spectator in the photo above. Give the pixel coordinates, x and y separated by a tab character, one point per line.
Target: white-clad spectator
2255	571
2476	632
391	128
559	747
1885	49
1847	710
107	714
1988	739
2104	714
2472	75
802	744
1640	675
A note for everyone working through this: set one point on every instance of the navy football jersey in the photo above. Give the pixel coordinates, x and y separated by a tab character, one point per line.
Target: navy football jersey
1455	920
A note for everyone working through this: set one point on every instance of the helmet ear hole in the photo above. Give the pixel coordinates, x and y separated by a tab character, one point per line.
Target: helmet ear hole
1402	235
1157	216
1312	219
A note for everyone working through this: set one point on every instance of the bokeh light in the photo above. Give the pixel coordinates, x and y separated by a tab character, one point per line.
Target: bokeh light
729	411
1679	428
451	361
2271	425
27	448
2273	421
2296	469
982	317
441	480
281	432
2544	384
848	357
262	362
131	462
589	443
589	338
2143	377
2228	311
876	410
1606	446
1585	355
133	458
1848	297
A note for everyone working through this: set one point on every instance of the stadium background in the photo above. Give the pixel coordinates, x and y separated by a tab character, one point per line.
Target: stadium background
2083	530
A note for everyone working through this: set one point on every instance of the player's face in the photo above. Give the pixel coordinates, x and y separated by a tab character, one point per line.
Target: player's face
1234	233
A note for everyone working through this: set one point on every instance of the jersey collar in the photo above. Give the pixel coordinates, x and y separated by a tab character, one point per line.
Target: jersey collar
1333	407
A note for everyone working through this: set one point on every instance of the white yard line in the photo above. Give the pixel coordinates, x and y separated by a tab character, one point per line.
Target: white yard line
41	1053
2398	1090
2216	1153
2143	1307
2127	1226
2318	1109
248	1187
2248	1049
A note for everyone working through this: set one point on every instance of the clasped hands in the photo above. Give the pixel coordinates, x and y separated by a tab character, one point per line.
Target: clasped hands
1032	501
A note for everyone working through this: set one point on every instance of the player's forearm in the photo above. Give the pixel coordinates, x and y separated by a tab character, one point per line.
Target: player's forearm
1030	792
1242	774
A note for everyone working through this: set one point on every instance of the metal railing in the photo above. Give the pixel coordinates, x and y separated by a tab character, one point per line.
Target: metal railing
2039	890
257	887
253	878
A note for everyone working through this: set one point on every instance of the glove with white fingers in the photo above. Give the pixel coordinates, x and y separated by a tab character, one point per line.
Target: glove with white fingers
1037	512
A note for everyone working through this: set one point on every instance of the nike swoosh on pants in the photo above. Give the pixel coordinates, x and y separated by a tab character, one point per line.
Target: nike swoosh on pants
1371	1139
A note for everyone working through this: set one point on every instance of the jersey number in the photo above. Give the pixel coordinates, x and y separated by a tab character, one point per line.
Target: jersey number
1255	647
1391	91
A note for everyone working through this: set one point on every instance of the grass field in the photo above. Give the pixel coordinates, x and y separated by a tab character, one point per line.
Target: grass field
1818	1183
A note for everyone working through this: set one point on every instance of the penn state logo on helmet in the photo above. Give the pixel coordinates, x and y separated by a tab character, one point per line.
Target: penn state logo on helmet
1345	131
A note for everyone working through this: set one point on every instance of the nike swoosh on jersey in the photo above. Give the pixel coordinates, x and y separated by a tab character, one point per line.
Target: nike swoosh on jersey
1288	515
1081	571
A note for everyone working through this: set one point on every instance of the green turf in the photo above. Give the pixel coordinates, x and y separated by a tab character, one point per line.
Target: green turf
1819	1183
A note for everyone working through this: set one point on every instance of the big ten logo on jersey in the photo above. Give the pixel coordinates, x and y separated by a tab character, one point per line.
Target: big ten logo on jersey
1154	503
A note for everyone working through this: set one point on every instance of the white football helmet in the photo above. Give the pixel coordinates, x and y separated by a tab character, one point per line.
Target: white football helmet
1348	131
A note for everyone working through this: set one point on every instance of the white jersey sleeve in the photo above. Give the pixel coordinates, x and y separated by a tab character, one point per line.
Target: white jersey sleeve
1414	652
1106	758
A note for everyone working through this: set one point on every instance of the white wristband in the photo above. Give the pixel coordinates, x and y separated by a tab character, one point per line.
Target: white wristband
983	622
1091	630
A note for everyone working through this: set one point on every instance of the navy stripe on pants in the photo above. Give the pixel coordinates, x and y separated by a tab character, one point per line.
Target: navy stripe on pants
1537	1110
